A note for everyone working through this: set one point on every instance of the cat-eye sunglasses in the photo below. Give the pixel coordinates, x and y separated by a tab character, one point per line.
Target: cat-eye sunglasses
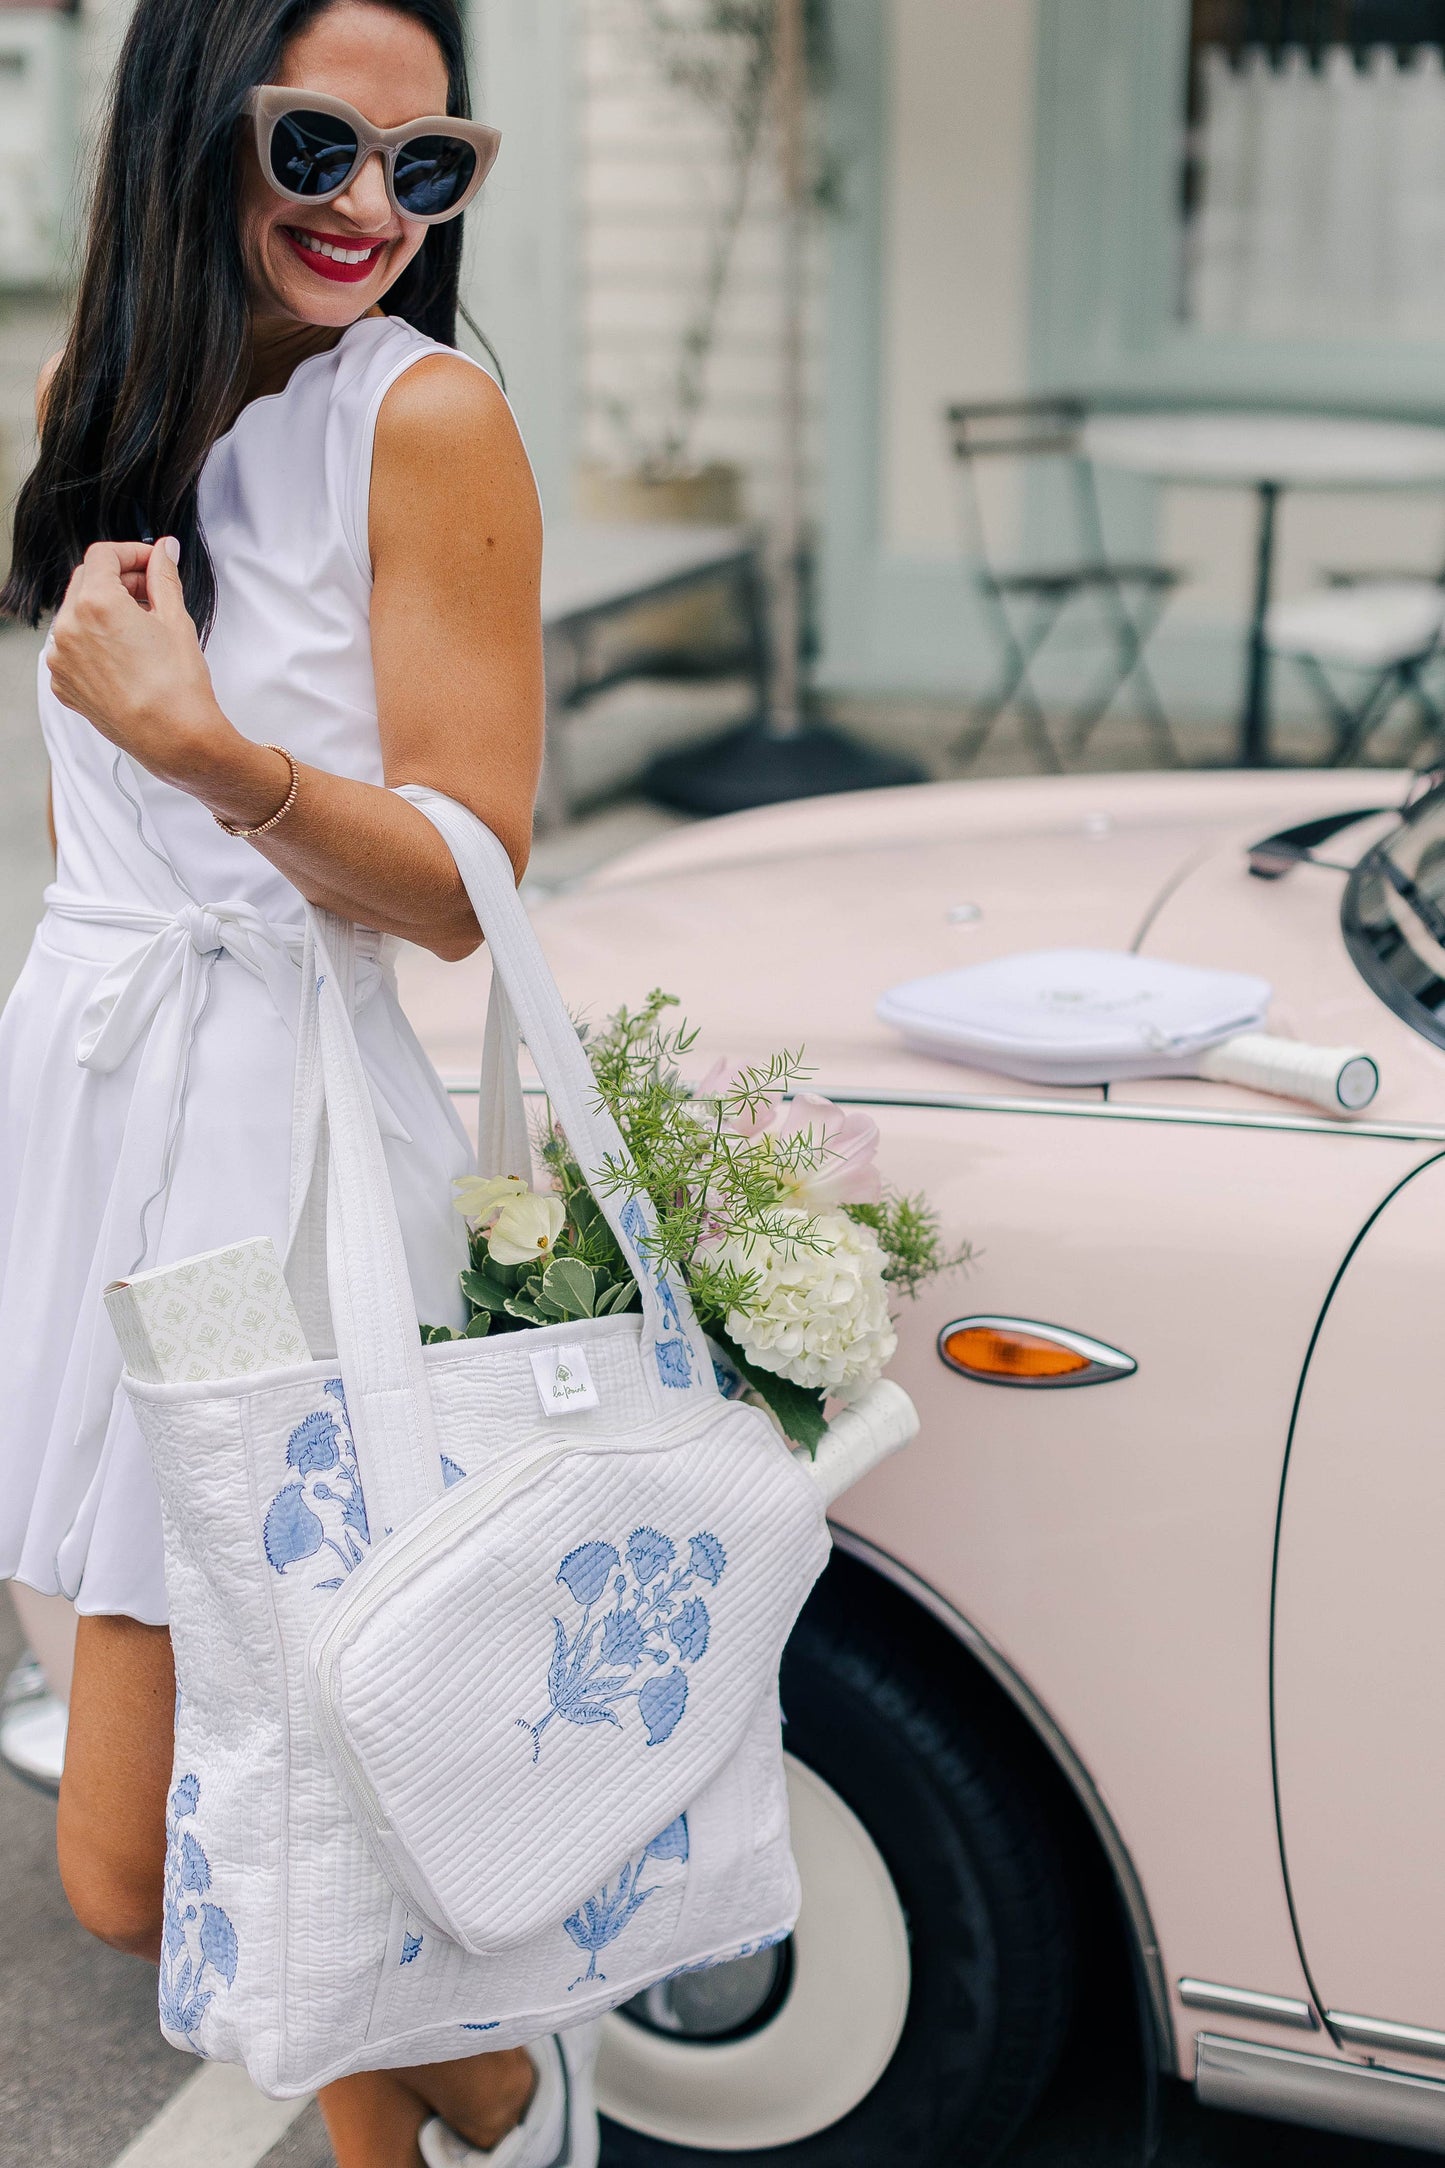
312	147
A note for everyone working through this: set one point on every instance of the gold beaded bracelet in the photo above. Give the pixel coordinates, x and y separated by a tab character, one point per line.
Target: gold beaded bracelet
244	834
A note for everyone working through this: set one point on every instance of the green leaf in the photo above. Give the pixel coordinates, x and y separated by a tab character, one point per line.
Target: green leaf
502	1322
583	1211
617	1299
799	1408
479	1327
483	1292
569	1282
517	1306
433	1335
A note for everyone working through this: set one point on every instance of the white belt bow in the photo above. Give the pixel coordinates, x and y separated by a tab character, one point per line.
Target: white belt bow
179	956
154	997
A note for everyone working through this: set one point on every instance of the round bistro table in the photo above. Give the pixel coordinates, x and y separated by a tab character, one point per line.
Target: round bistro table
1267	453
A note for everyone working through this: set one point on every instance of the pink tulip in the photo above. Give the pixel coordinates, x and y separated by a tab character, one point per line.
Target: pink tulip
848	1139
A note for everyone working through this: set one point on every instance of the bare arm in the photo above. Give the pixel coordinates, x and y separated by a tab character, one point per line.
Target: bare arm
457	648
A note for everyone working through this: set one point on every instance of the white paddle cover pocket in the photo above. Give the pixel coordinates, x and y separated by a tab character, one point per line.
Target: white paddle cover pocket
529	1682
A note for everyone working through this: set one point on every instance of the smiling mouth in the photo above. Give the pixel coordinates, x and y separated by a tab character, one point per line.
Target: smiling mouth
328	255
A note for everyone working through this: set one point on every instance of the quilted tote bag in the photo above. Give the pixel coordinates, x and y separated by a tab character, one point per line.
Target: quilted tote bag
476	1644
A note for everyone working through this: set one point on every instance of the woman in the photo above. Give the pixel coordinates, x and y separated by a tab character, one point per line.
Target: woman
342	598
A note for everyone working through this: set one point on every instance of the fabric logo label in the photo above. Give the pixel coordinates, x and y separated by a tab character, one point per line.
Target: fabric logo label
564	1382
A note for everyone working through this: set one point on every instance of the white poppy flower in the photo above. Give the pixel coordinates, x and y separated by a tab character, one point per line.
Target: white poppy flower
526	1229
481	1197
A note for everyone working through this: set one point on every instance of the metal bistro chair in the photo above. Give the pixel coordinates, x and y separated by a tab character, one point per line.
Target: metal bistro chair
1025	603
1386	630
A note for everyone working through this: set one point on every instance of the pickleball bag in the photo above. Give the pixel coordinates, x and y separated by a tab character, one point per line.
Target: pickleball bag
476	1644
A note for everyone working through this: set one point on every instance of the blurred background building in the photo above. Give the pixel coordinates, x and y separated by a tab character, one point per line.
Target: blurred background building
1143	202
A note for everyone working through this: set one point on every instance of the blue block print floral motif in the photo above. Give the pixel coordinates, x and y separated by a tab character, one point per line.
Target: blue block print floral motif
674	1364
320	1513
727	1380
596	1925
674	1356
411	1948
199	1951
642	1621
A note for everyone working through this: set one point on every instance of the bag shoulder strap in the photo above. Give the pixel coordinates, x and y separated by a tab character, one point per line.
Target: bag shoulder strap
526	1006
346	1261
503	1141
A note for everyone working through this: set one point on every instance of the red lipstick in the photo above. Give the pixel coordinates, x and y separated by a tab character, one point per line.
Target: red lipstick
329	267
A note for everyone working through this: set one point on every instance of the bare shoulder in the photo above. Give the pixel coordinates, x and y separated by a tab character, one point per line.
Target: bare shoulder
445	424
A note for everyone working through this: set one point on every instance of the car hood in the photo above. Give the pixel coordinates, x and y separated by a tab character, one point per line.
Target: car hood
782	928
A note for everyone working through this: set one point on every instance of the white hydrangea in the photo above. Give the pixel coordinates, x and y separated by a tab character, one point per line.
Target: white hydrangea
821	1315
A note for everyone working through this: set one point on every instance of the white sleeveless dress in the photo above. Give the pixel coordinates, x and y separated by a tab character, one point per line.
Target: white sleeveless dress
146	1051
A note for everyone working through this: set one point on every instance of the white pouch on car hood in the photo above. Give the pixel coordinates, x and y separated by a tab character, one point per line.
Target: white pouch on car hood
1076	1016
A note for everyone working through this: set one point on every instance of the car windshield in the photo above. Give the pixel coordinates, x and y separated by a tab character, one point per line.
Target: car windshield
1394	917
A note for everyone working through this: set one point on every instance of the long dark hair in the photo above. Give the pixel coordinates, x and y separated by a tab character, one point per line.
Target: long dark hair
155	366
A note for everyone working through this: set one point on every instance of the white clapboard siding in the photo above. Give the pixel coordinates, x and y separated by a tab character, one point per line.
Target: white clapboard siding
652	168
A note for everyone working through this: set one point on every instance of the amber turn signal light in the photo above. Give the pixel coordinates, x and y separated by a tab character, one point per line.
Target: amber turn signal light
1019	1351
988	1352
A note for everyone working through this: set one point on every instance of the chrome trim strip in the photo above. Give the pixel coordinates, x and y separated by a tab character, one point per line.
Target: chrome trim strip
1378	2032
1092	1110
1354	2098
1106	1110
1131	1889
1247	2002
1106	1364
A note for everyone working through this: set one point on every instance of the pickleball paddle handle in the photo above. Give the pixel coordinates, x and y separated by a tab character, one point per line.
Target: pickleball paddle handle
1341	1079
881	1422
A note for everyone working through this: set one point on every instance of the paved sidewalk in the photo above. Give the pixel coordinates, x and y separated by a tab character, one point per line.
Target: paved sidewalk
83	2066
86	2080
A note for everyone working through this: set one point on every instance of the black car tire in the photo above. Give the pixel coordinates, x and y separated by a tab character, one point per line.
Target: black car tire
986	1924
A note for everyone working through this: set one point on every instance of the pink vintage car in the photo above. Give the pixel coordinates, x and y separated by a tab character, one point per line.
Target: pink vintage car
1166	1646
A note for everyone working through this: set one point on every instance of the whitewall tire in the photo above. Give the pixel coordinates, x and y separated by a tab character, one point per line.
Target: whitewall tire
921	2006
833	2034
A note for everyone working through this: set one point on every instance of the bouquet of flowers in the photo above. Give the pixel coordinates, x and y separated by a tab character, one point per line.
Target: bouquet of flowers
768	1203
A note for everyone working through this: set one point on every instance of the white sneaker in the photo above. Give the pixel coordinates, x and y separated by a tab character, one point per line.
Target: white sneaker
559	2129
32	1739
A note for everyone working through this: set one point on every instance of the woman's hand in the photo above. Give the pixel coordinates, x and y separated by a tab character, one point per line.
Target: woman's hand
123	652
